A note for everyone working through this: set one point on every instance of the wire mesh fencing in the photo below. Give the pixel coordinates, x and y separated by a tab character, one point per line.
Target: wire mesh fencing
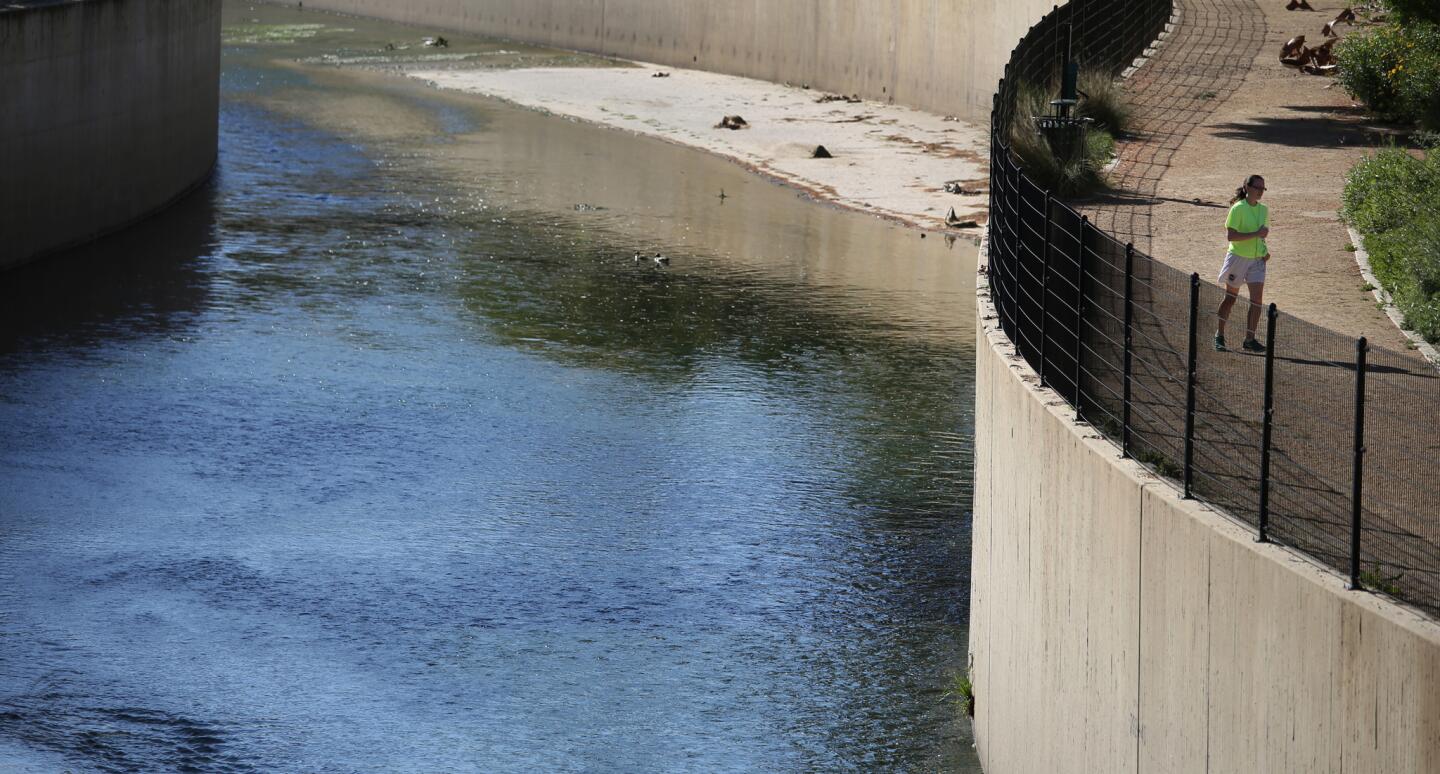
1316	440
1101	34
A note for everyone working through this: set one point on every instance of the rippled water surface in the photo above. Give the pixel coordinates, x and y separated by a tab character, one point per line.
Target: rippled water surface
382	453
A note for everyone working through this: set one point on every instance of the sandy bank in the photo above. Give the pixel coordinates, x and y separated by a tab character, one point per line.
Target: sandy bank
889	160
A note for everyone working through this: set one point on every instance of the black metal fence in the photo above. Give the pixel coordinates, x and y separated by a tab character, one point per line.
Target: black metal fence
1322	443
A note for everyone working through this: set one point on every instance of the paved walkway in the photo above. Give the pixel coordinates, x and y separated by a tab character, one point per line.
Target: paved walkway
1200	62
1213	105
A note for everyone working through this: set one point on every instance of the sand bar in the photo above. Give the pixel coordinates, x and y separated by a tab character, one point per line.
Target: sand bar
889	160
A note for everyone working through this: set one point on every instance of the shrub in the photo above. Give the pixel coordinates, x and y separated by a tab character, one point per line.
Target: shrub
1389	189
1099	147
1394	199
1395	70
1104	101
1406	260
1075	178
1410	11
1161	464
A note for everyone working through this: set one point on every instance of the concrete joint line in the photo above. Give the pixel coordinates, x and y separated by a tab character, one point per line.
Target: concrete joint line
1138	729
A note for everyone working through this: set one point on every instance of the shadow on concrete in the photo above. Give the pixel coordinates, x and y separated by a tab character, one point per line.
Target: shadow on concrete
1310	132
137	281
1132	198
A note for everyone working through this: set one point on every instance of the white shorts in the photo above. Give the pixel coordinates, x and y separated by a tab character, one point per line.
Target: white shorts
1237	271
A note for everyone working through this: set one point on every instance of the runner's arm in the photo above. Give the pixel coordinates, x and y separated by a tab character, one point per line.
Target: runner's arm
1240	236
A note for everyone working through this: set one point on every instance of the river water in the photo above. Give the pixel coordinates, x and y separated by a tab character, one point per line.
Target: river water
382	453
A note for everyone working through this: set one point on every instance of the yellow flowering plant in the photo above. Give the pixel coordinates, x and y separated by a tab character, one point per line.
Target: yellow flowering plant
1395	70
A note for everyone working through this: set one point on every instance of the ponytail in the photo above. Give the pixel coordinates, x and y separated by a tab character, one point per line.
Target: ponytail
1240	192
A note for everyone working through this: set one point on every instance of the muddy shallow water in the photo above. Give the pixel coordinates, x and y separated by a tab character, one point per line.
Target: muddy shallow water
383	453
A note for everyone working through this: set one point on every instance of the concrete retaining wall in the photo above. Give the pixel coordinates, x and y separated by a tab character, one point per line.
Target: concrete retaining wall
1118	628
944	56
109	110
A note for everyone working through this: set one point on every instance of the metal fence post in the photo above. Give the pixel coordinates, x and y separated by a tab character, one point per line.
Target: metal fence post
1268	422
1360	348
1002	229
1008	269
990	228
1129	317
1190	386
1080	317
997	213
1015	220
1045	300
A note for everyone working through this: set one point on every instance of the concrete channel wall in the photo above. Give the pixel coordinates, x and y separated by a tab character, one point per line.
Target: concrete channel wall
944	56
1118	628
109	110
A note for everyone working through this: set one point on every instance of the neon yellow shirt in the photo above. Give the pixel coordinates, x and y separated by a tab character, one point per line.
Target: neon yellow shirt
1248	220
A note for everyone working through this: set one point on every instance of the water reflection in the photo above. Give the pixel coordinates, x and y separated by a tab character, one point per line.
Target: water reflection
143	281
403	464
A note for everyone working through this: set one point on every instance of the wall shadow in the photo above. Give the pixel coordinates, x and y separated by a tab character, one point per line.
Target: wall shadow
138	281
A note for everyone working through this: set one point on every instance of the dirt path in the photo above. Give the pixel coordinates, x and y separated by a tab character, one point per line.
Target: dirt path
1302	133
1203	59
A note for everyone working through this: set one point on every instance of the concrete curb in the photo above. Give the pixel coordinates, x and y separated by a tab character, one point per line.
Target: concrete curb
1387	305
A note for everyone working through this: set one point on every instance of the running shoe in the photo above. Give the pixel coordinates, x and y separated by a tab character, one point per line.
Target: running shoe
1252	345
1220	343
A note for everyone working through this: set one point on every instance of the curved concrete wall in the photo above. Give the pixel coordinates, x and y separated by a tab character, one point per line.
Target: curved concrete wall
1117	628
939	55
109	110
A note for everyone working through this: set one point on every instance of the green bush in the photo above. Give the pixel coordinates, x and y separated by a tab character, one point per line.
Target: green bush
1395	70
1099	147
1410	11
1389	189
1393	198
1367	62
1406	260
1103	101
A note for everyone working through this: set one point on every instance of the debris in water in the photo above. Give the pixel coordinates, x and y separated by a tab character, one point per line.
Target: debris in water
953	221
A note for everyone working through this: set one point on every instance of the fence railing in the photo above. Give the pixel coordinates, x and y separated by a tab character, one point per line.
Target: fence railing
1323	443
